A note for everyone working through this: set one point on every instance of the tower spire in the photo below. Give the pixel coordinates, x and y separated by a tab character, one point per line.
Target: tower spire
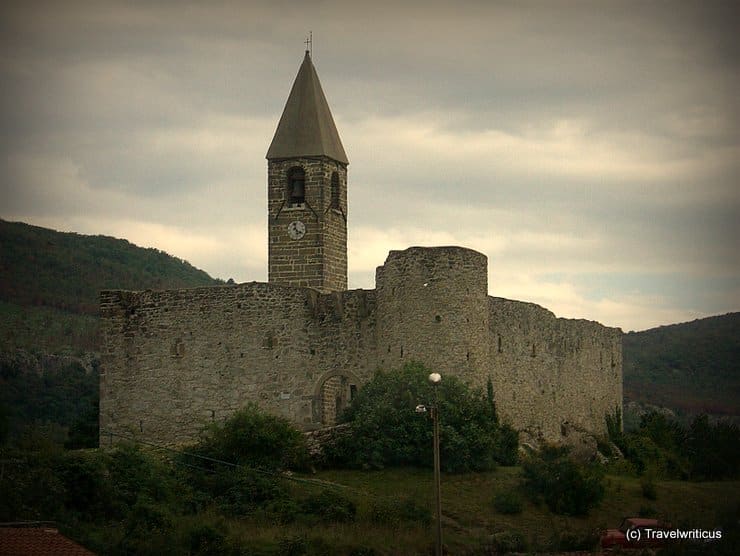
307	127
307	191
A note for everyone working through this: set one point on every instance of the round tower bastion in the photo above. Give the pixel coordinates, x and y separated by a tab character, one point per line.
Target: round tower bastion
432	307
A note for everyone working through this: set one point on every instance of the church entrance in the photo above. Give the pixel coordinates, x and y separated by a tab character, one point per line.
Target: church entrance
333	393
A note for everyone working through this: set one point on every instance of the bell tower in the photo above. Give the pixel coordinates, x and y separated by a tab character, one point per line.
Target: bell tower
307	191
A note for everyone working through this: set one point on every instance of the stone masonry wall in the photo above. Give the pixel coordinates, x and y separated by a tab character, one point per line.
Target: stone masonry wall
319	259
551	375
432	308
176	360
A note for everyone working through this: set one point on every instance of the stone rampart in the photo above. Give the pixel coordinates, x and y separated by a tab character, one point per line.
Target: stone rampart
173	361
176	360
432	307
551	374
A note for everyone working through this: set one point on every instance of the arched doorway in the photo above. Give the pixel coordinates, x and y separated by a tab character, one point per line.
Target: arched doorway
333	392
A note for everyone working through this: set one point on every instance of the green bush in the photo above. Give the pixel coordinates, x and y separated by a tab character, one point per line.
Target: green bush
386	430
508	502
647	485
207	539
304	546
252	438
30	489
570	541
395	513
713	449
240	492
703	451
87	490
330	506
565	486
280	511
133	473
507	541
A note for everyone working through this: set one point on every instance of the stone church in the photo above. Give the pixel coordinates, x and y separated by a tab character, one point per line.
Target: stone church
302	344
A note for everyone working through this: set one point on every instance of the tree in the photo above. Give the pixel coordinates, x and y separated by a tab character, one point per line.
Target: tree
565	486
386	429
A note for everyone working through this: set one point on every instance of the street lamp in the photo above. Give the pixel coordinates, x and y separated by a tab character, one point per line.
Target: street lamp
435	379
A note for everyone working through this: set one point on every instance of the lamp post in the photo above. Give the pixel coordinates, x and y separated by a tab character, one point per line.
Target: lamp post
435	379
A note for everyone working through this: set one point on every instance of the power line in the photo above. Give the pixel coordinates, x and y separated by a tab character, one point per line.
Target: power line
313	482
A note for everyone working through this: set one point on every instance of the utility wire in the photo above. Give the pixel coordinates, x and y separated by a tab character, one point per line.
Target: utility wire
314	482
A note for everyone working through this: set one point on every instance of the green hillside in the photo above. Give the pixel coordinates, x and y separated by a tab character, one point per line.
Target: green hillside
50	283
693	367
49	324
42	267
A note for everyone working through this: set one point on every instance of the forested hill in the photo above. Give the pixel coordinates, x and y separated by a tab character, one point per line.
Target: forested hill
49	324
693	367
50	284
42	267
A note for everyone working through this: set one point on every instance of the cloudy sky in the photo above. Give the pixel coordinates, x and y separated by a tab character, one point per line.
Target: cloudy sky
590	150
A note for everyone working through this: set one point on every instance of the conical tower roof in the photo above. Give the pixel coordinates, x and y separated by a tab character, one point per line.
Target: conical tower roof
307	127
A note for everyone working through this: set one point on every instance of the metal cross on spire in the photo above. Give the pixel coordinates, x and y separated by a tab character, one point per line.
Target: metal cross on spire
309	43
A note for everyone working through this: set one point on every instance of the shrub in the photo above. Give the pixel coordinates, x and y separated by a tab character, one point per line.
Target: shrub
386	430
148	528
507	541
87	490
205	539
301	545
281	511
29	487
253	438
133	473
647	485
330	506
506	445
240	492
508	502
713	450
362	551
565	486
703	451
395	513
569	541
647	511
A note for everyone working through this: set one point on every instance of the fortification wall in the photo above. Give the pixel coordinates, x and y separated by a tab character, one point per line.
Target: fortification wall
553	375
175	360
432	307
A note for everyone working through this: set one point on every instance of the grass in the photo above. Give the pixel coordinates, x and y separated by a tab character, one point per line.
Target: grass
469	517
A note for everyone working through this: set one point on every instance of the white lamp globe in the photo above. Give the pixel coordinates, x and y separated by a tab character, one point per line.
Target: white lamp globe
435	378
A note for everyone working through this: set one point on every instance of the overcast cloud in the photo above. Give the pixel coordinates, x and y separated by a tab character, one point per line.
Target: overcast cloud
590	150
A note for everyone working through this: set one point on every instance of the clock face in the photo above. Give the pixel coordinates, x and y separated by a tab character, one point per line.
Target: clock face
296	229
